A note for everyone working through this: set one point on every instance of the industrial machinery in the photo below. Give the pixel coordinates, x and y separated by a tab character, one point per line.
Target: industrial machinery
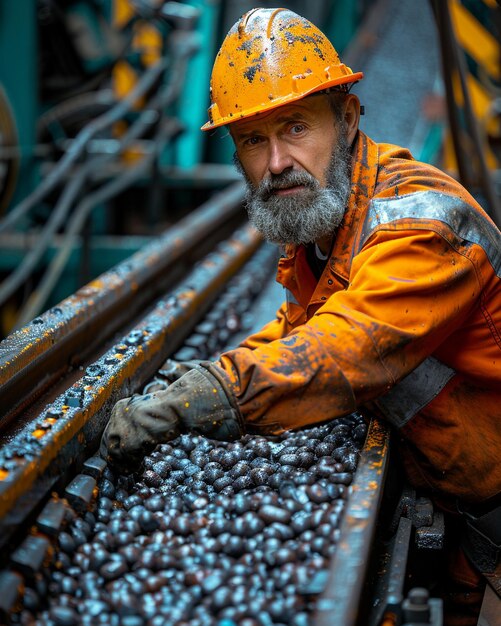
101	105
100	151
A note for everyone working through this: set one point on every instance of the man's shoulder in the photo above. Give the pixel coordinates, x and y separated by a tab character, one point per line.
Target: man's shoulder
456	220
401	173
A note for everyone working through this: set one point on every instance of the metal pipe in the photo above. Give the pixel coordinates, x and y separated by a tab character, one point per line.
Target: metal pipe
145	120
70	427
37	299
58	215
93	128
34	356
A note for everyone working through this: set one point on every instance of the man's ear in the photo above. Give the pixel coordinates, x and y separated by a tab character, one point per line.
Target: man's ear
351	116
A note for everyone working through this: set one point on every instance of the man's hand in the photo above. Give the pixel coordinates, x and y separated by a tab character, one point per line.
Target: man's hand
196	402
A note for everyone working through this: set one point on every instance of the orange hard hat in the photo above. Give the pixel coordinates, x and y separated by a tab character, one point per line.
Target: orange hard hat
271	57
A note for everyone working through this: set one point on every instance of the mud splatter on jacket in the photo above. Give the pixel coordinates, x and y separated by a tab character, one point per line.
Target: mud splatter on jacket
406	318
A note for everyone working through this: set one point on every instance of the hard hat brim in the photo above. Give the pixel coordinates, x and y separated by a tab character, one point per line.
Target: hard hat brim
280	101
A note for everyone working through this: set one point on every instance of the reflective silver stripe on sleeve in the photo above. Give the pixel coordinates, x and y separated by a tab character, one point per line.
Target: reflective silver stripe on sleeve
461	218
415	391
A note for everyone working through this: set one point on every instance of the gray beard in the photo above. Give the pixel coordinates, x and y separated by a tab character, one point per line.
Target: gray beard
308	215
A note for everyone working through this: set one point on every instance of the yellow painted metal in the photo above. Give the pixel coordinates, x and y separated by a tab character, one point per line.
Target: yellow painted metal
482	105
481	101
124	78
147	41
476	40
122	12
481	46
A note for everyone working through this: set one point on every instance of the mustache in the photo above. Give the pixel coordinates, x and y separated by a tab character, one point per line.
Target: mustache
285	179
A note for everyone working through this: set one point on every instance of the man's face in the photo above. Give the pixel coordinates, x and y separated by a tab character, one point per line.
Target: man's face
296	163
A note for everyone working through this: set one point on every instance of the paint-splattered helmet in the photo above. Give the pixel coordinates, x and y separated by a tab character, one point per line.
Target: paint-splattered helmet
271	57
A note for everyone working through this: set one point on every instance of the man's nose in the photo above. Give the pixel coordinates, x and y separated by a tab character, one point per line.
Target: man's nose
280	158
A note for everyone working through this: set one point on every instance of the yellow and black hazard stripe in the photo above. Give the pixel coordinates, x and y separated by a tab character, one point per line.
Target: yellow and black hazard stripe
477	25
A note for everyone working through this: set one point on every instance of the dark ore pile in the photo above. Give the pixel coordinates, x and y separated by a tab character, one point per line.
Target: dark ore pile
208	533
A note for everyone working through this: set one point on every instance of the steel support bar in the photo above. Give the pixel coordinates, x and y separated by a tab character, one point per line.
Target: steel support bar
37	354
394	596
340	602
68	430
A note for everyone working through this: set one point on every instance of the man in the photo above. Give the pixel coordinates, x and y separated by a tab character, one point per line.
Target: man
391	271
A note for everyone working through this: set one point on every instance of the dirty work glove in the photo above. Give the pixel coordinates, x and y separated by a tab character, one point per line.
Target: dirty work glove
197	402
169	373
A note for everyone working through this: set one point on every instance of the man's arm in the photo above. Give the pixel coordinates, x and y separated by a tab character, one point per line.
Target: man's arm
276	329
408	291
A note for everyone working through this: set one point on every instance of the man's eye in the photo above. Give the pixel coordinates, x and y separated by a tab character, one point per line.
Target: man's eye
297	129
252	141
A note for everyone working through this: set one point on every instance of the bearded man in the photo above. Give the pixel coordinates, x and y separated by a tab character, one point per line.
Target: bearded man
391	271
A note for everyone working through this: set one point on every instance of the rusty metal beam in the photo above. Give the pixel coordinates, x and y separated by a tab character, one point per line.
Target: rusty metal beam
68	430
341	600
39	353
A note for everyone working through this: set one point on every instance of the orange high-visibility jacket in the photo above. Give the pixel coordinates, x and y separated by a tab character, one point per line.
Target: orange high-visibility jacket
406	318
